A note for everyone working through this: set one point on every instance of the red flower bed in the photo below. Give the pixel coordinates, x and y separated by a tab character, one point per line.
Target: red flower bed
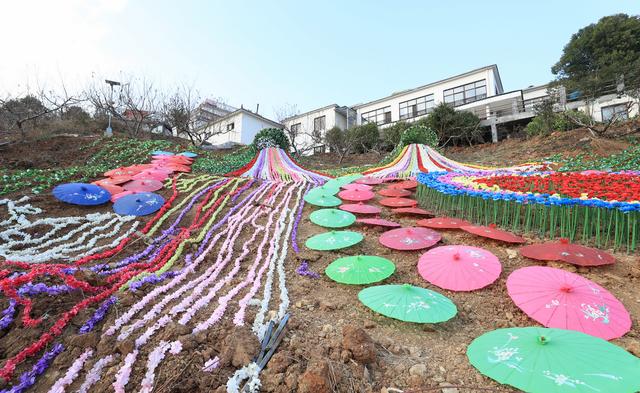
606	186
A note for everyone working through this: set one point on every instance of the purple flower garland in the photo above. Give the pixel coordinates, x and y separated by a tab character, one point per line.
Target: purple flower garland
28	378
98	315
8	314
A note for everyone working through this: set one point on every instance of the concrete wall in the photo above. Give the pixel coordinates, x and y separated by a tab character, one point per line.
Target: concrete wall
303	140
594	108
245	128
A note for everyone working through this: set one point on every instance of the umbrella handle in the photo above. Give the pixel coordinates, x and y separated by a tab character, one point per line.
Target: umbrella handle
543	340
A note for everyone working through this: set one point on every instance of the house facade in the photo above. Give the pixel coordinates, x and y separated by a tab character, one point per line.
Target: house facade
309	128
238	127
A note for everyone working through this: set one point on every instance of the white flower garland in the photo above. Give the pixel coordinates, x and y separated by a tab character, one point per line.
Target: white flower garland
95	373
249	372
17	214
155	357
72	373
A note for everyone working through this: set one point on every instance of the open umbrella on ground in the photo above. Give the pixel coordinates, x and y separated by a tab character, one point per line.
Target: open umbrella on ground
188	154
333	240
459	268
412	210
535	359
161	153
406	184
357	187
567	252
411	238
152	174
332	218
360	269
326	189
378	222
394	192
356	195
322	200
176	167
398	202
560	299
122	171
491	232
408	303
138	204
112	188
115	180
143	185
81	194
372	181
443	223
360	208
115	197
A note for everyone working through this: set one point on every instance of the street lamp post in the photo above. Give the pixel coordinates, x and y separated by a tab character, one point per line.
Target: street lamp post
109	132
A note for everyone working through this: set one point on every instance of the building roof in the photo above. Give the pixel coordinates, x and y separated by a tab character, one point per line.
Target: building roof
249	113
311	111
403	92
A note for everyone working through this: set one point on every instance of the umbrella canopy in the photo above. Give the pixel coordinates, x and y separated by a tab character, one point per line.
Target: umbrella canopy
412	210
176	167
138	204
378	222
567	252
151	174
115	180
406	184
332	218
333	240
560	299
327	189
81	194
398	202
410	238
115	197
372	181
322	200
408	303
188	154
356	195
360	208
360	269
112	188
459	268
443	223
356	187
536	359
492	232
143	185
394	192
122	171
161	153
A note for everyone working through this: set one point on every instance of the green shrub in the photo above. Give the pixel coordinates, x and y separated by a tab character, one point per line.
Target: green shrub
271	137
546	123
335	138
454	126
363	137
390	136
419	134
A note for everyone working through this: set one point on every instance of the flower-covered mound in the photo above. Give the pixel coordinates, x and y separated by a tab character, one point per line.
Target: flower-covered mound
415	159
595	207
274	164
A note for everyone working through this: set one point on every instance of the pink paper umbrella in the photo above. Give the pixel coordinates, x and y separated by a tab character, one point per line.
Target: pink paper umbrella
378	222
356	187
410	238
151	175
559	299
115	197
356	195
459	268
143	185
398	202
360	208
372	181
494	233
394	192
443	223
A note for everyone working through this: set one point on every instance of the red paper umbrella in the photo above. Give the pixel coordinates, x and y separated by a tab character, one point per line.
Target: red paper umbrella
142	167
143	185
357	187
122	171
405	184
398	202
112	188
390	179
411	238
174	159
372	181
113	180
355	195
378	222
412	210
567	252
115	197
443	223
360	208
151	175
177	167
494	233
394	192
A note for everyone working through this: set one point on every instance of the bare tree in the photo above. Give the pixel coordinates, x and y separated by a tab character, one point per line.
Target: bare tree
293	132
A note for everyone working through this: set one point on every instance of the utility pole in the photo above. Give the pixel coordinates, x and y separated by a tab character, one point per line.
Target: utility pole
109	132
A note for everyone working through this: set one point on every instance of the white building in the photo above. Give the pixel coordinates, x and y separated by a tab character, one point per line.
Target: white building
238	127
310	127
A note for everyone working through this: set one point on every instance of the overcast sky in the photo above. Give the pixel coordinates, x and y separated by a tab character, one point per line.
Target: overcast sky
306	53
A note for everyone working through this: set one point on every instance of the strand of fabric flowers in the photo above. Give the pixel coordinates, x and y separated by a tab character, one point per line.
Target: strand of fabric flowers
28	378
303	268
17	213
72	373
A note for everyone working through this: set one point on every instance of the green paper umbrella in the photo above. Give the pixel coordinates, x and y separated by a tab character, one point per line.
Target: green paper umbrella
408	303
536	359
327	188
323	200
332	218
333	240
360	269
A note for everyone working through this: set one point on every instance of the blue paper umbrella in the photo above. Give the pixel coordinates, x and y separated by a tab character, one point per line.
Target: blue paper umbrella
138	204
188	154
161	153
81	194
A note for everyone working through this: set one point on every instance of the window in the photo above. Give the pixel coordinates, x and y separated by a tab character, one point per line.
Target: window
319	123
416	107
466	93
295	129
378	116
615	112
230	126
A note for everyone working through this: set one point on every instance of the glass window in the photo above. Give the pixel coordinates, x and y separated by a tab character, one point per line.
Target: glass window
378	116
230	126
295	129
615	112
466	93
416	107
319	123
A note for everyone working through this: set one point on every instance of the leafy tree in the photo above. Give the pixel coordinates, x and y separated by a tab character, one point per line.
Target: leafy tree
419	134
454	126
271	137
390	136
364	137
